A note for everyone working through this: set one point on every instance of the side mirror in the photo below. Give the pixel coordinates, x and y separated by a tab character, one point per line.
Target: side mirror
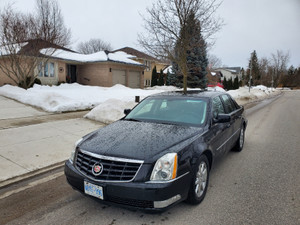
222	118
127	111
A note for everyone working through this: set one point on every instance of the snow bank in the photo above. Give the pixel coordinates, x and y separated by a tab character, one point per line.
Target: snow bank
110	110
243	96
108	103
72	97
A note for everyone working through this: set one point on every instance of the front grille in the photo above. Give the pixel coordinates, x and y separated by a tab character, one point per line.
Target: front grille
114	169
131	202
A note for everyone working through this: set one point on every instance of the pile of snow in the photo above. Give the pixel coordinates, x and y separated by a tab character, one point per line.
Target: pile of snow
72	97
110	110
108	103
243	96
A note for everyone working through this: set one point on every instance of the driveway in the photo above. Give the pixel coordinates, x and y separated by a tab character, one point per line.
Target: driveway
31	139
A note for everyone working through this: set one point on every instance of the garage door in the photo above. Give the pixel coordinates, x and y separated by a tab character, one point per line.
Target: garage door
134	79
118	77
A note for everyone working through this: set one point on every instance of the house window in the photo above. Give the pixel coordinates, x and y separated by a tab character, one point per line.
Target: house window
46	70
147	83
148	65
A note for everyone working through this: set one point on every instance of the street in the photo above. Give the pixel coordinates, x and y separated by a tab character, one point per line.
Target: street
260	185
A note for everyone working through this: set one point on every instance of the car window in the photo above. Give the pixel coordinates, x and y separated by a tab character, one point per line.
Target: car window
171	110
217	107
146	108
229	105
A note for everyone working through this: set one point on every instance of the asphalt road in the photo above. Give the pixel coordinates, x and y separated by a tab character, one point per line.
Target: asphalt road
260	185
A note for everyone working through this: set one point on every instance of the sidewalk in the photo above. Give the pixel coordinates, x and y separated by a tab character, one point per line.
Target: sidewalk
32	147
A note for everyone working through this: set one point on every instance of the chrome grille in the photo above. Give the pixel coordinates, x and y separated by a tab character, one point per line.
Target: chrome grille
114	169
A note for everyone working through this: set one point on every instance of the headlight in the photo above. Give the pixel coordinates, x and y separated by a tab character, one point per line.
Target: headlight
73	151
165	168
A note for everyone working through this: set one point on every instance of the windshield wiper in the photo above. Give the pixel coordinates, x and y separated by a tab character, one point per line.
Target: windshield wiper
131	119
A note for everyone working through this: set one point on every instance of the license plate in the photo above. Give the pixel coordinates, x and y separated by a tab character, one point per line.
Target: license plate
93	190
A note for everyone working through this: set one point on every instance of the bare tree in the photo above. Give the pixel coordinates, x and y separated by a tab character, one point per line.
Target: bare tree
23	35
50	23
214	61
279	61
92	46
264	65
166	21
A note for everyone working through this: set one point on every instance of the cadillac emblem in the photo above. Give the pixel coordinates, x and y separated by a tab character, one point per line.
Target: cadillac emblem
97	169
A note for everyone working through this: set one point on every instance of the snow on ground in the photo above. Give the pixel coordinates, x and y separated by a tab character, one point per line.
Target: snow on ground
260	92
72	97
108	103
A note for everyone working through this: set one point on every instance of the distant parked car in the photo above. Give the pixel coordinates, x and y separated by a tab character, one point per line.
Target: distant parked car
216	85
161	152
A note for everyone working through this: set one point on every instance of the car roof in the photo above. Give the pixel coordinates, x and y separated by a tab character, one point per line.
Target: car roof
198	93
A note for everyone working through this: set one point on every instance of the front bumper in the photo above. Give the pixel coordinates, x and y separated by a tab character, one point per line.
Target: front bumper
141	195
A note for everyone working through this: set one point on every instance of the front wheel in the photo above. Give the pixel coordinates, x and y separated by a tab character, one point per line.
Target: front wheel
200	180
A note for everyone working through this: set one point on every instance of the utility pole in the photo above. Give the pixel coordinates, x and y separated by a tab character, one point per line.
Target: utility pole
273	79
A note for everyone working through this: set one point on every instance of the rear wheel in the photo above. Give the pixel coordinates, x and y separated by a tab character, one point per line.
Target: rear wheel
240	142
200	180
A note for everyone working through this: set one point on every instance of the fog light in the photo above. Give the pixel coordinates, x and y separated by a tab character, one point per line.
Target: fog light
165	203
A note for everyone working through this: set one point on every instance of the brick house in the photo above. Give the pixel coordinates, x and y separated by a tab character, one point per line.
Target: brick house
148	61
64	65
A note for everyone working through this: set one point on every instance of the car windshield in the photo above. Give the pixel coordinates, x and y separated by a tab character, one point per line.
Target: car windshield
169	110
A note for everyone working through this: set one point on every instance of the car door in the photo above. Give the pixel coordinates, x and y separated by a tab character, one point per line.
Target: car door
235	113
220	131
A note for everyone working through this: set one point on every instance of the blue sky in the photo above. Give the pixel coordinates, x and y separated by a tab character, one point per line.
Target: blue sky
261	25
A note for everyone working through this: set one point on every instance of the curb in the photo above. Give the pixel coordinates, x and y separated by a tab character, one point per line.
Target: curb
27	176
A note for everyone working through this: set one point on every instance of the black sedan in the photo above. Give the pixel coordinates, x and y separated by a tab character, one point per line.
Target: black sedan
161	152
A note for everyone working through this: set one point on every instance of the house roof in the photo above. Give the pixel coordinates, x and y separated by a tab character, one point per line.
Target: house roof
230	69
40	47
34	46
136	53
102	56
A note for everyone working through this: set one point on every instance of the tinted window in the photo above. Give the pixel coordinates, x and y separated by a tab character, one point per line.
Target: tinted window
217	107
229	105
171	110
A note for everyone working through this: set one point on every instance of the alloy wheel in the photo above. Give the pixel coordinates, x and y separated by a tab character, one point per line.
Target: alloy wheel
201	179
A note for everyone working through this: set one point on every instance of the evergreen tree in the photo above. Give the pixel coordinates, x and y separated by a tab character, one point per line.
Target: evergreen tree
195	54
236	83
154	77
291	70
243	80
254	67
225	83
228	84
161	80
171	78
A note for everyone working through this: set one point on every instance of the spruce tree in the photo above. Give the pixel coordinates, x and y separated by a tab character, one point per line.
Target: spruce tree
154	77
225	83
254	67
161	80
236	83
196	54
171	79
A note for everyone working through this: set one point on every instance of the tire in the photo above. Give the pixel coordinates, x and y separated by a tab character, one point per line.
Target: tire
240	142
199	182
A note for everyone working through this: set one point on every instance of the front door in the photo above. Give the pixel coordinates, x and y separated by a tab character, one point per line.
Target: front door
71	75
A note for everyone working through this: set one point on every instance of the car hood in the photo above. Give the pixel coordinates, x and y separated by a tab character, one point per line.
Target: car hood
137	140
